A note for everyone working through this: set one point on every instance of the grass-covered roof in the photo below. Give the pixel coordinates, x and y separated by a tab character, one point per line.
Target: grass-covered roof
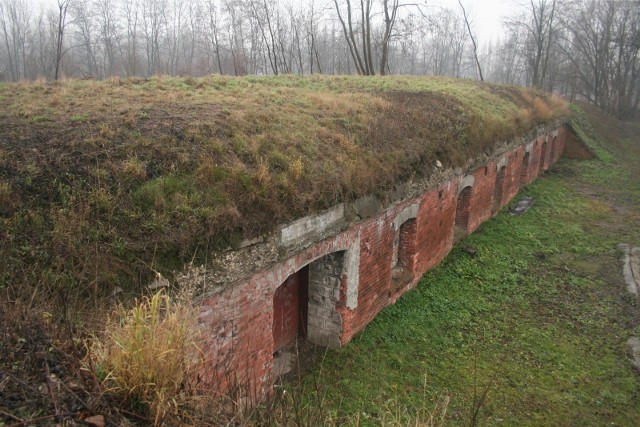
103	181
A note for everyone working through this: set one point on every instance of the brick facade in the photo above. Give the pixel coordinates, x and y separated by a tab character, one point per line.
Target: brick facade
355	273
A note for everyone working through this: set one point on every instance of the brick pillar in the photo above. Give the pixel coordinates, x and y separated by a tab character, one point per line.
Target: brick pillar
324	325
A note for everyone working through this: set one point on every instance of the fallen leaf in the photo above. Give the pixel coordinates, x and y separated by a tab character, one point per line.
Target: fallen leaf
96	420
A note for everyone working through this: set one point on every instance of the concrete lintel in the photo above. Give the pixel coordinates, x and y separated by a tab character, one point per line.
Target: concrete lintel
465	182
502	163
406	214
311	225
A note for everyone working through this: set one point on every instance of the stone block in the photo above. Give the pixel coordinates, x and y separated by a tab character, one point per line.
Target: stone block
308	226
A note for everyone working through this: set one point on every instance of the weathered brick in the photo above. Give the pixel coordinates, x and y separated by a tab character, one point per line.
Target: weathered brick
240	318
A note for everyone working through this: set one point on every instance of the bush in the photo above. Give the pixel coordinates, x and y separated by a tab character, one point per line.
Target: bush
149	355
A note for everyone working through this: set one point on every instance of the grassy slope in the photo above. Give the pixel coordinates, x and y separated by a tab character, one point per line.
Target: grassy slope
102	181
538	315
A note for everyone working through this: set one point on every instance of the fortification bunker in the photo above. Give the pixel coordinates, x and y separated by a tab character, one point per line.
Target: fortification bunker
370	180
342	266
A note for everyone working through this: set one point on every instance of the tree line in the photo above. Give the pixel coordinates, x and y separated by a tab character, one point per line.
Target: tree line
582	49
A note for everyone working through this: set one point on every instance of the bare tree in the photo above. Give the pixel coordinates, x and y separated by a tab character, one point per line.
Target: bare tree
539	23
350	37
153	20
311	30
108	32
602	42
236	39
84	25
174	31
44	40
508	64
14	21
390	10
296	25
131	14
213	39
444	44
189	36
473	40
63	6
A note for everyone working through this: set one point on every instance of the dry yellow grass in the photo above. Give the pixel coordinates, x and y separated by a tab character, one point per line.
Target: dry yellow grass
149	355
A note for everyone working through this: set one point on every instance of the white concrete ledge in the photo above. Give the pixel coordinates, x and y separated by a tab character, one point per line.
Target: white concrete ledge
311	225
465	182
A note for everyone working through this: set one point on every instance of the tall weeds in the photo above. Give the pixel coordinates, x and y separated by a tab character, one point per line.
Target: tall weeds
149	356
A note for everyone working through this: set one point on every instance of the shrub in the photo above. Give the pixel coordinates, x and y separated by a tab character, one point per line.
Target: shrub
149	355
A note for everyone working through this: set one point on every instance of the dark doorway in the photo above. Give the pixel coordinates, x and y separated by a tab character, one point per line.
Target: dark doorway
305	305
305	312
524	173
499	189
404	248
290	307
543	157
463	210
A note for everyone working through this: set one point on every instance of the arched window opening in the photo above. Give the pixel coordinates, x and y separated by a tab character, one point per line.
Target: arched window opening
524	173
543	157
290	305
404	250
498	191
463	210
305	305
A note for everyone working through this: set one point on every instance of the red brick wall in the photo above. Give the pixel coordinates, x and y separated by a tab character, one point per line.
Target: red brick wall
435	222
544	155
407	246
535	158
512	175
287	322
499	187
376	252
239	318
482	195
463	208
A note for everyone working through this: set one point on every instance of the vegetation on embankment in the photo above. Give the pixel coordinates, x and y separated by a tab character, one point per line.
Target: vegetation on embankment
530	309
103	182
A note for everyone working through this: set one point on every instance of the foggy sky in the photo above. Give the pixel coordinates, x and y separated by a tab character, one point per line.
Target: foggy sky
486	15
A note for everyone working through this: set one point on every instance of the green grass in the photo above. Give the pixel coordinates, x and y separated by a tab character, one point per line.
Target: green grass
584	130
538	316
166	166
